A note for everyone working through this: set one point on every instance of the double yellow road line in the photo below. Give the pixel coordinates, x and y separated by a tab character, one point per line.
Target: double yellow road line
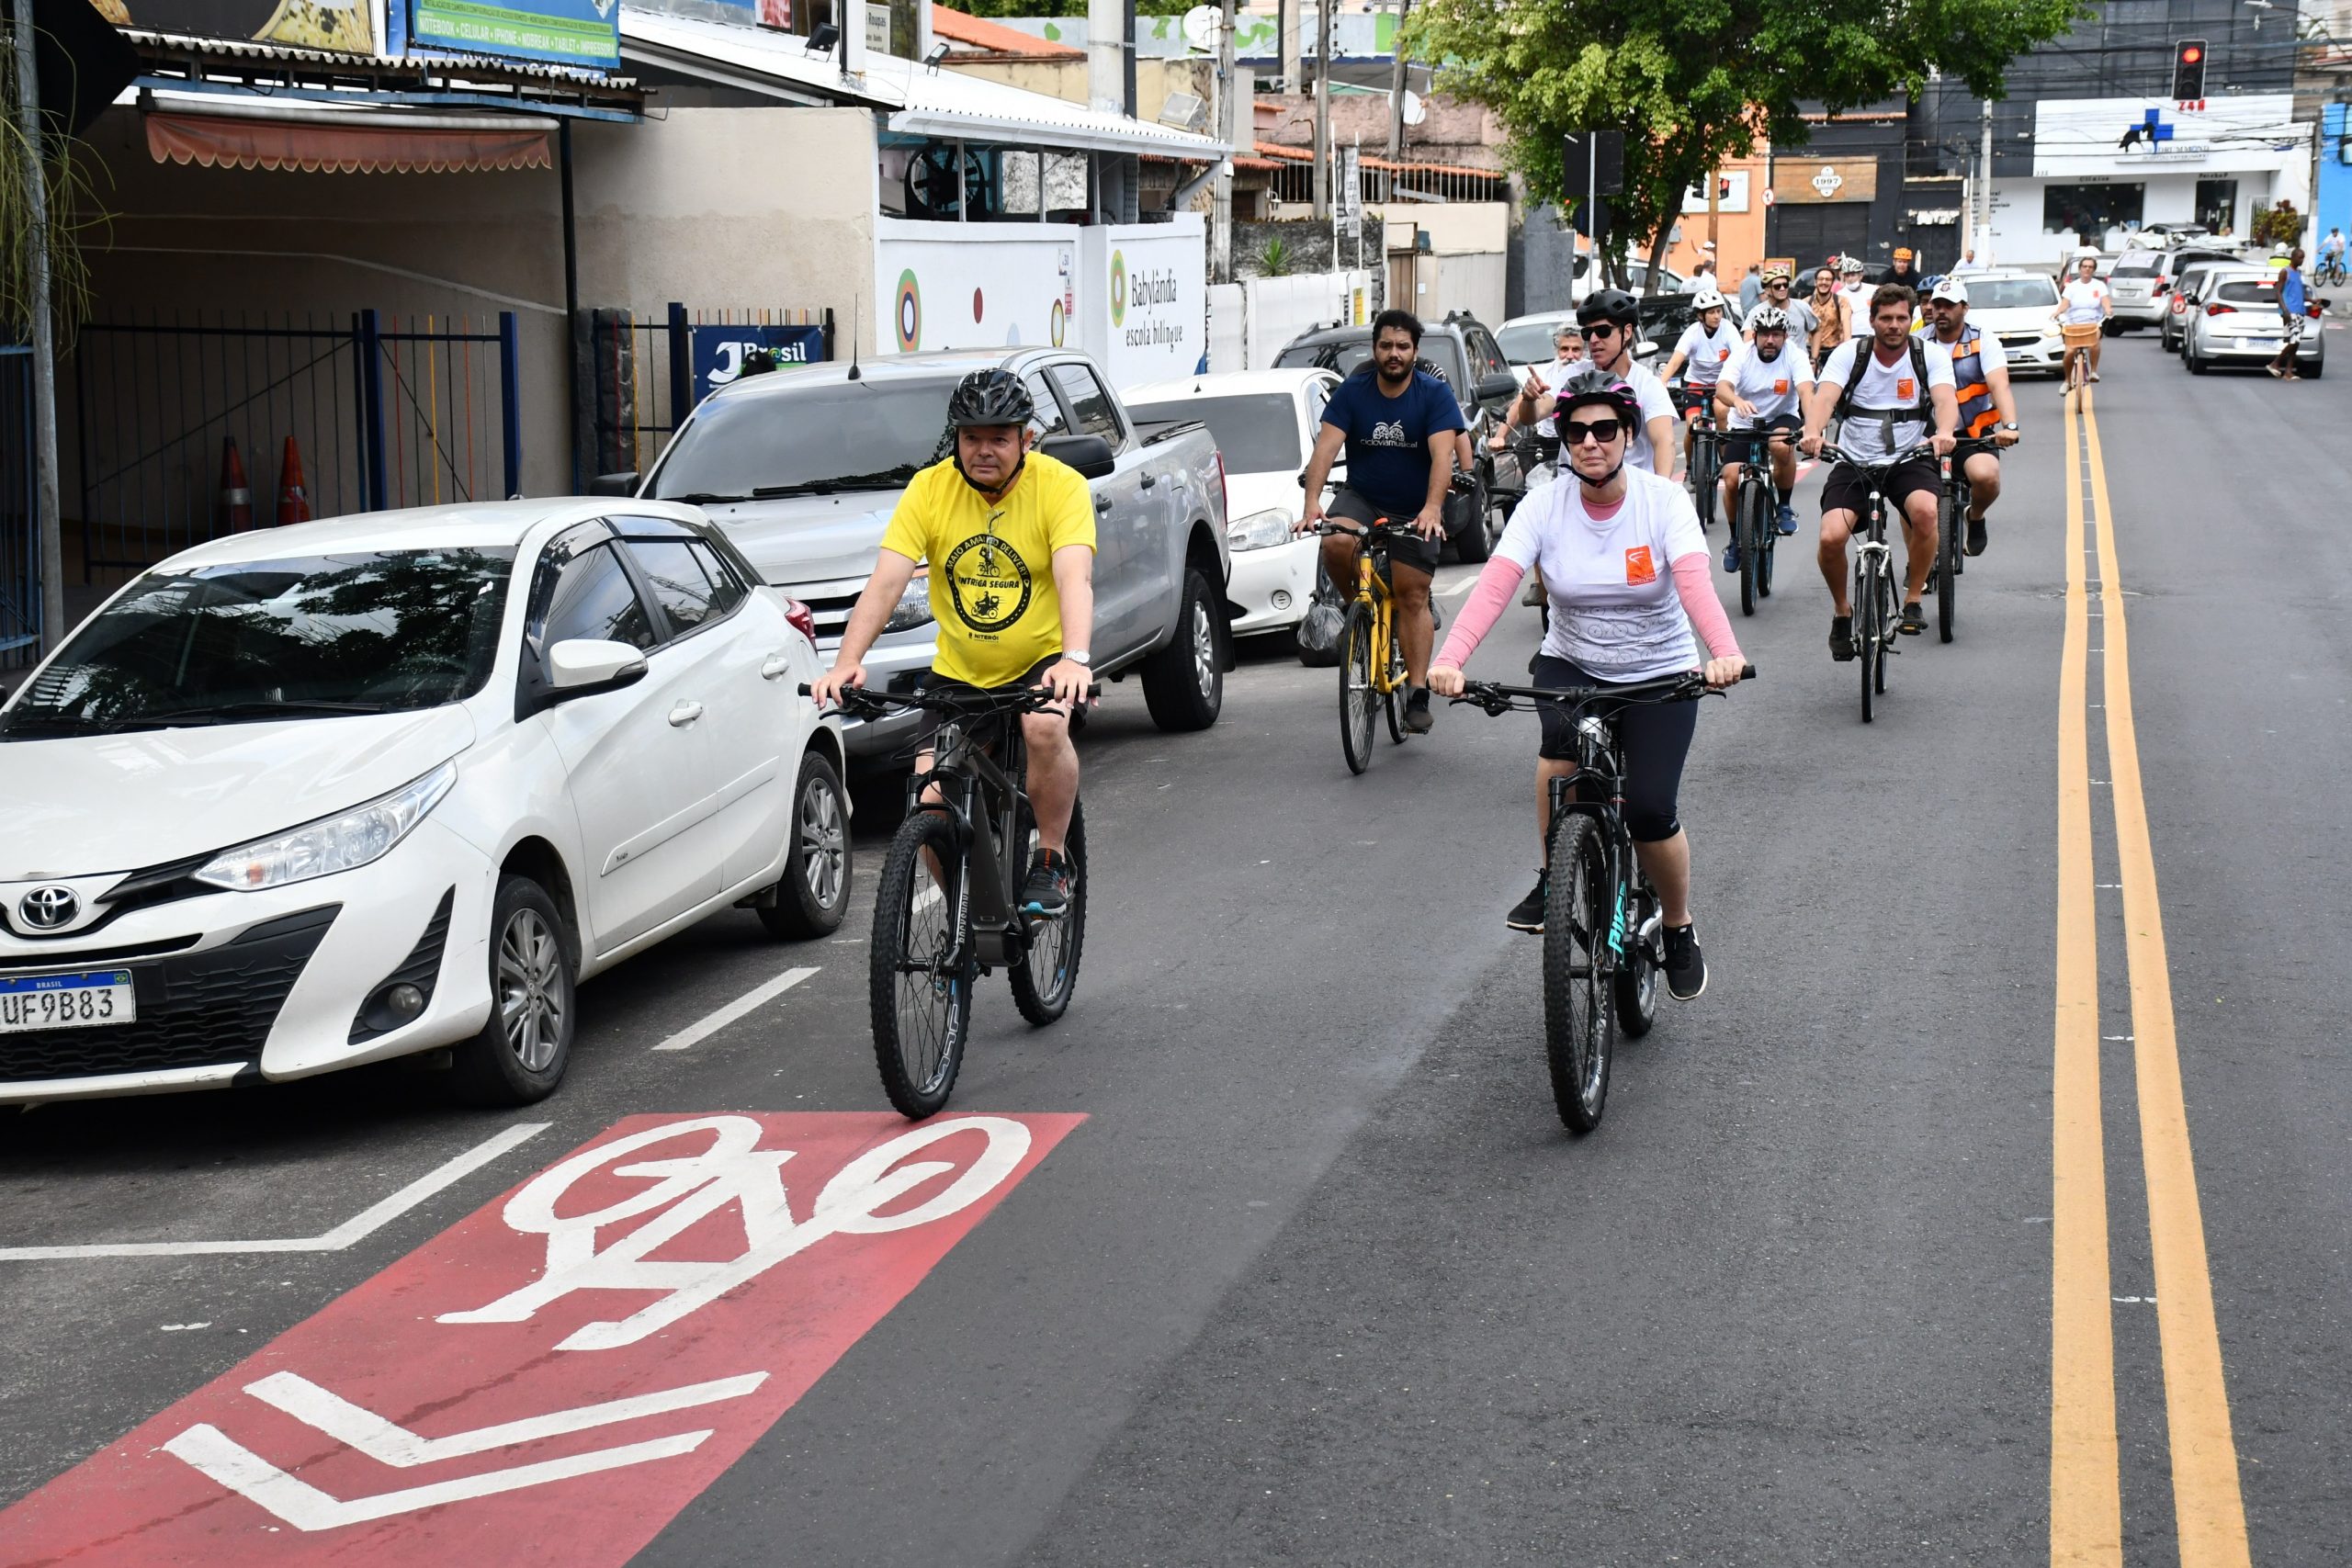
2086	1491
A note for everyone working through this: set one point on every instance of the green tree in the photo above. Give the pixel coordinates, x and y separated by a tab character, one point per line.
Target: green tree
1695	82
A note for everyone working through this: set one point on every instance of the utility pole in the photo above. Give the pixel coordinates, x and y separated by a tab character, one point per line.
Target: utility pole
44	341
1323	10
1397	84
1286	18
1221	199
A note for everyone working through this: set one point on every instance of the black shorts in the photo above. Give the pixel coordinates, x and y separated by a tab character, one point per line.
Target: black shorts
1417	552
1657	736
935	682
1846	491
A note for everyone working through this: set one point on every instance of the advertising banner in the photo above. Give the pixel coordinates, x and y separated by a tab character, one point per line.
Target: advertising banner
719	351
973	286
344	26
563	33
1151	319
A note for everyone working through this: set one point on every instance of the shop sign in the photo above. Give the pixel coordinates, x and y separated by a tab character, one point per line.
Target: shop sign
563	33
1814	183
346	27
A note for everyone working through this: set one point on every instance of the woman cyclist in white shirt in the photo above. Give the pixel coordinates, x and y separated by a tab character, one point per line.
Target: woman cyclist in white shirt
2086	302
1626	568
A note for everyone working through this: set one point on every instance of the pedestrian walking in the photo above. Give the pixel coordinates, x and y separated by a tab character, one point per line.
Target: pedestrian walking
1751	288
2291	316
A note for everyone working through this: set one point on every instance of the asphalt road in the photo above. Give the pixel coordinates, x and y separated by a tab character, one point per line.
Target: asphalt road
1319	1278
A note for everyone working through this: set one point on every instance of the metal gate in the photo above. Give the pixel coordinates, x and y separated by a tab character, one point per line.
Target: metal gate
185	430
20	513
641	370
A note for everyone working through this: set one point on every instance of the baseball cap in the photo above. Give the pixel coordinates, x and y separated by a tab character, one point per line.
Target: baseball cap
1951	288
1902	253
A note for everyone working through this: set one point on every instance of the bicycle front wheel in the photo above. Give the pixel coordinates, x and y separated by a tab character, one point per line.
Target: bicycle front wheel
1579	1032
920	965
1044	978
1747	532
1885	630
1357	698
1866	628
1950	520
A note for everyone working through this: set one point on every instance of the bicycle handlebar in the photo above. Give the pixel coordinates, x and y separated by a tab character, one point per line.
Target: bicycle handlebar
1495	698
1012	699
1838	454
1382	529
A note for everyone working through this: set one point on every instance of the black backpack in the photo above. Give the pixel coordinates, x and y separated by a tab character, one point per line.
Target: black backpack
1923	412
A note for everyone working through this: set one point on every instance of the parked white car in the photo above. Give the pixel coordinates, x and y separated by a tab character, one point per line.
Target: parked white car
307	797
2014	306
2235	321
1265	422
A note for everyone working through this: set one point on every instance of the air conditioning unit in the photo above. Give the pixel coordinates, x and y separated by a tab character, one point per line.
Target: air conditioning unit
1185	111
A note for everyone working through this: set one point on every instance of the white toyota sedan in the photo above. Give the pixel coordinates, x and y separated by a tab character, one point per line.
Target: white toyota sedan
1264	421
312	796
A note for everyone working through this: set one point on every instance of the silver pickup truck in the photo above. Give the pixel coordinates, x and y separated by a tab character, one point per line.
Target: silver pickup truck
802	466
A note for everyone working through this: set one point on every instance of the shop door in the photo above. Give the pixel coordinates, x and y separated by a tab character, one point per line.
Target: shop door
1812	230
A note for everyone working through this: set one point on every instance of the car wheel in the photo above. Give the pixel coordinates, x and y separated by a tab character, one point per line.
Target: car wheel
2188	357
2318	367
1476	541
520	1054
1183	684
814	894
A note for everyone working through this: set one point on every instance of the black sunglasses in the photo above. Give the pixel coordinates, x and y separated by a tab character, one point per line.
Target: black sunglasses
1601	328
1573	432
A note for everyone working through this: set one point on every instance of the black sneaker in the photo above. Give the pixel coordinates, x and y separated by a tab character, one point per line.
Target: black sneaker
1686	970
1417	717
1047	893
1527	915
1976	536
1915	619
1841	638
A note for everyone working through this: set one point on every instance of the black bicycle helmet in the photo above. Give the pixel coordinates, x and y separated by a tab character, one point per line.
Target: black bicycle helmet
1598	386
1608	305
990	396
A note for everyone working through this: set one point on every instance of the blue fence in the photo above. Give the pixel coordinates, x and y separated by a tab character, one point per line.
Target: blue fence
20	513
647	374
183	429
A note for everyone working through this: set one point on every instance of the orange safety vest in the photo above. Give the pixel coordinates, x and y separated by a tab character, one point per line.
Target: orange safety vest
1977	412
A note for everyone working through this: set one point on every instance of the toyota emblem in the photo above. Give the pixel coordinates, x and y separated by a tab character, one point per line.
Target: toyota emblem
47	908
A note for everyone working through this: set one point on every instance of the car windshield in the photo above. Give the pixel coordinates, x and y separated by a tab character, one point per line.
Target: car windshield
1528	343
1258	434
2248	291
2140	260
305	637
838	437
1351	355
2010	293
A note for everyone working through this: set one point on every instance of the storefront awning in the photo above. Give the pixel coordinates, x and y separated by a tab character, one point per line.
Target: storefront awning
363	142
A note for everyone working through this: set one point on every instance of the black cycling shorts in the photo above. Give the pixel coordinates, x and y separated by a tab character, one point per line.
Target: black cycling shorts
1415	552
1846	491
935	682
1657	737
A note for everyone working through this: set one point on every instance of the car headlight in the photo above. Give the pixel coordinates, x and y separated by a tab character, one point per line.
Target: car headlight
913	608
354	839
1258	530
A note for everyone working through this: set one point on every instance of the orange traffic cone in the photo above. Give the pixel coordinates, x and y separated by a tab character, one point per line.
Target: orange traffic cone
293	499
234	514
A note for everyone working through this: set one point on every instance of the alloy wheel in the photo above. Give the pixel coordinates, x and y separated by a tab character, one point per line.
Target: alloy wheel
530	989
1203	650
824	843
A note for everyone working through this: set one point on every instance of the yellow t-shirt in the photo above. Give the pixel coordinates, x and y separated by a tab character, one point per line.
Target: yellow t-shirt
992	567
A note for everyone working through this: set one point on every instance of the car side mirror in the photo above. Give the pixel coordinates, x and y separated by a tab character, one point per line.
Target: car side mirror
622	485
1090	454
578	666
1645	349
1501	384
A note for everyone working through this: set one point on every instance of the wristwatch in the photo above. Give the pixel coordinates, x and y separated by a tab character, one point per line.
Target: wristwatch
2007	424
1080	657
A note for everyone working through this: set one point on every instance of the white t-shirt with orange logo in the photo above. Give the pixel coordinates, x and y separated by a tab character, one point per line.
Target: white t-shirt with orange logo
1884	386
1615	613
1772	385
1704	354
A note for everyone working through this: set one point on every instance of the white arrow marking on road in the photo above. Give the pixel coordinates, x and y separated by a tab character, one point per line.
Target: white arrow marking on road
388	1443
357	1228
215	1454
759	996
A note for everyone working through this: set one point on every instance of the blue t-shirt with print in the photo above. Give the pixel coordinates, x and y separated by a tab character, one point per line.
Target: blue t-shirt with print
1388	438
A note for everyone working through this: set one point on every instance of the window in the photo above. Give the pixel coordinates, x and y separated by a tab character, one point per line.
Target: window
1319	397
1257	432
1050	421
871	437
728	588
2149	262
1089	402
2248	291
2217	204
594	598
679	585
2012	293
1488	358
2089	211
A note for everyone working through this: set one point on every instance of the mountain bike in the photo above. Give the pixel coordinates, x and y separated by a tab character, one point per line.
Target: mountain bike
1371	663
1951	521
1706	462
2329	273
1876	603
1604	943
947	911
1755	510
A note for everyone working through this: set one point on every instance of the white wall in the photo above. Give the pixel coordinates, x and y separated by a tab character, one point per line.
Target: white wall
1251	320
1475	283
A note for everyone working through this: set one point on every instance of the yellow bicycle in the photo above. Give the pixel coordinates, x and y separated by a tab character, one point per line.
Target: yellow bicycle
1372	665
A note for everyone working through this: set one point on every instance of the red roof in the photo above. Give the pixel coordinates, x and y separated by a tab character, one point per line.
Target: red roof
977	33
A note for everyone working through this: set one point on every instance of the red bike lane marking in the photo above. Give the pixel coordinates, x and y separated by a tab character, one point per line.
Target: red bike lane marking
554	1378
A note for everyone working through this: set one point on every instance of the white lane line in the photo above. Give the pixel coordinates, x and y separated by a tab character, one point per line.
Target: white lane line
757	996
1455	590
345	1235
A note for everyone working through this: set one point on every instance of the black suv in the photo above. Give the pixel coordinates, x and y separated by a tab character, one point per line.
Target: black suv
1465	354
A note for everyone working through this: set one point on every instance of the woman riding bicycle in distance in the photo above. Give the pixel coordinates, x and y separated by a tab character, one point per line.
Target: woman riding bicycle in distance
1626	566
1000	526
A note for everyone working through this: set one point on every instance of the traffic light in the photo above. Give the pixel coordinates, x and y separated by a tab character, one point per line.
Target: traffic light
2188	70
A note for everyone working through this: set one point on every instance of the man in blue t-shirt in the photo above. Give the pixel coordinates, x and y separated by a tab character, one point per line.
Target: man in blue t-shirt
2291	318
1400	425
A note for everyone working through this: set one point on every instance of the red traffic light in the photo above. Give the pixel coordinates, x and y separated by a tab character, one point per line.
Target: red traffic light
2191	55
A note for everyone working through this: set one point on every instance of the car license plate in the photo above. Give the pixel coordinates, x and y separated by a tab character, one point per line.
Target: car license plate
66	1001
2269	343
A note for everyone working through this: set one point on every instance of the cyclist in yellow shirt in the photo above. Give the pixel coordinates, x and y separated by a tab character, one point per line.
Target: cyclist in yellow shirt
1009	536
